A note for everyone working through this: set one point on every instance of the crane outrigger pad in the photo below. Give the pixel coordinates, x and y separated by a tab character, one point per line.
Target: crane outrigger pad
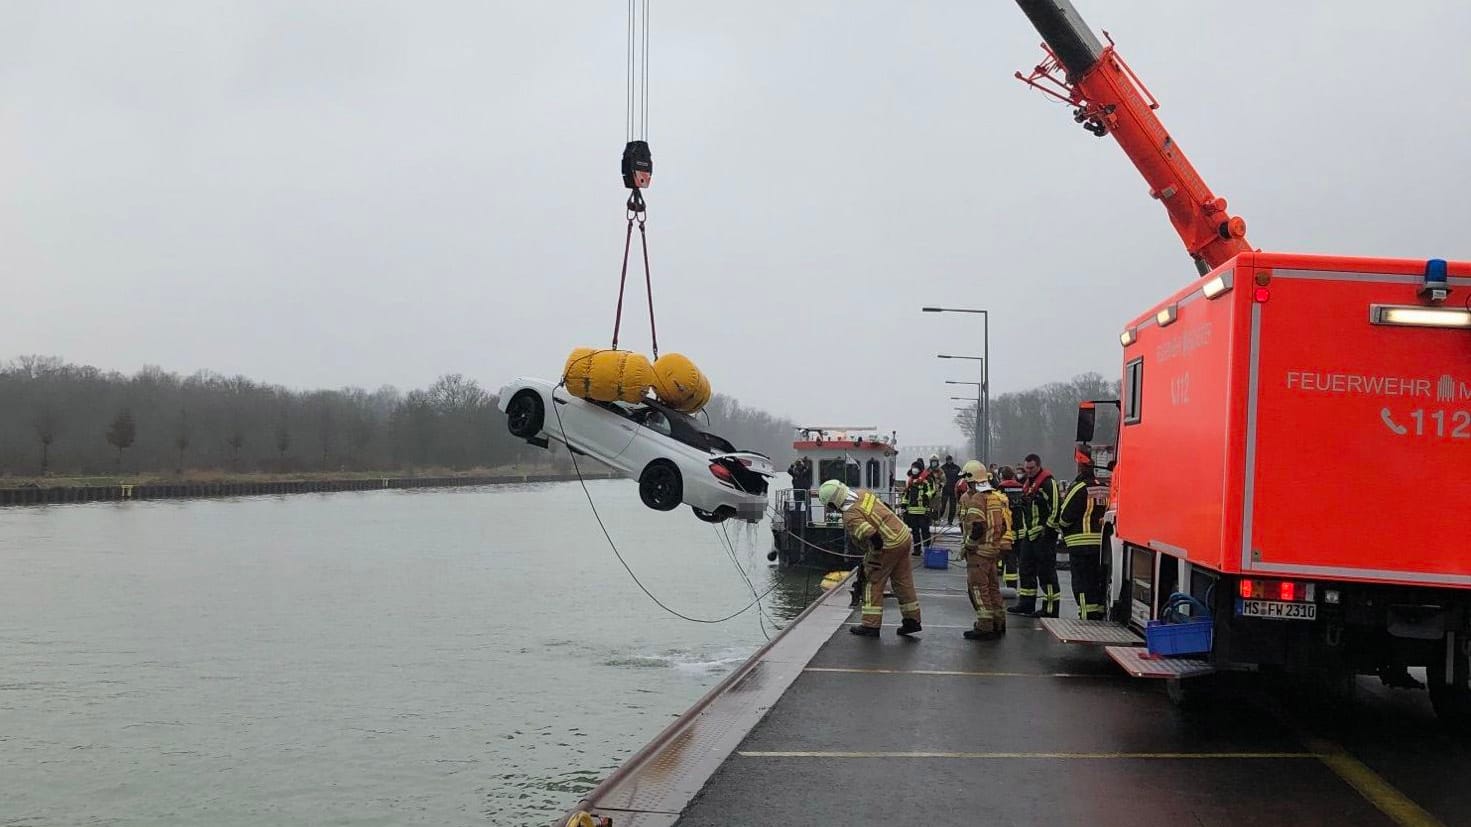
1092	632
1137	661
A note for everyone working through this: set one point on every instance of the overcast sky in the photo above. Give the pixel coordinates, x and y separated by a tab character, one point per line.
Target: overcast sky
356	193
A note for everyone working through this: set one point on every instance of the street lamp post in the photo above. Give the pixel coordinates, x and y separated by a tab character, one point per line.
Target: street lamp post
983	420
976	431
985	442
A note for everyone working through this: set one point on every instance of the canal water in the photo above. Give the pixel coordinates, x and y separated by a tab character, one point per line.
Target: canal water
457	656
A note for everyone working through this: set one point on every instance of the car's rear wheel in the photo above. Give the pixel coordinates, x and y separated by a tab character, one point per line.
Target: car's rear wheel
526	414
720	514
660	486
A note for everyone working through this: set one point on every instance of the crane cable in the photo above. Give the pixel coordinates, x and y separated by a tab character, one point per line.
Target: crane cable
614	546
638	163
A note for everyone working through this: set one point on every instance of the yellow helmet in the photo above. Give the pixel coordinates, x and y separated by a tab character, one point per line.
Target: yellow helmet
975	470
832	493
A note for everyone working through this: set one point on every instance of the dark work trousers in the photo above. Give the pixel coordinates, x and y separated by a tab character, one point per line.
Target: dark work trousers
919	530
1087	583
1009	559
947	505
1026	591
1045	551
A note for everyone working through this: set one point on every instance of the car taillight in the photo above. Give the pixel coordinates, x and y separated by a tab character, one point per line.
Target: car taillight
721	472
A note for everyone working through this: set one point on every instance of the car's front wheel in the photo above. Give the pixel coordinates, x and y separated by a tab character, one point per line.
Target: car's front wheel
720	514
660	486
526	414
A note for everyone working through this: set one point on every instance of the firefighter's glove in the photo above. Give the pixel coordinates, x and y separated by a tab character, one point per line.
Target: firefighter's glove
876	543
977	530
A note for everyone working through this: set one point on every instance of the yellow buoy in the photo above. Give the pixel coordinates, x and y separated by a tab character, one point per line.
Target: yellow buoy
679	384
604	375
832	579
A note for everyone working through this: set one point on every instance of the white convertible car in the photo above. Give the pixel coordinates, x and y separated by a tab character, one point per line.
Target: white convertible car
673	459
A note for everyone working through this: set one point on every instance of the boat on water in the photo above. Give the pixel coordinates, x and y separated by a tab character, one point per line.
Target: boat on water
803	532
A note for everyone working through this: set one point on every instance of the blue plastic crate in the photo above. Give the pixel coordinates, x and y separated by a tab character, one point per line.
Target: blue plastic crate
1192	638
936	558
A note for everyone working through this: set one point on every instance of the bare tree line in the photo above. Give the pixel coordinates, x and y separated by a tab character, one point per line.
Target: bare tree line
1043	420
60	418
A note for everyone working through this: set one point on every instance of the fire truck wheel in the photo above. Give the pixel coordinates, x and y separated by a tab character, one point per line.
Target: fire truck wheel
1452	701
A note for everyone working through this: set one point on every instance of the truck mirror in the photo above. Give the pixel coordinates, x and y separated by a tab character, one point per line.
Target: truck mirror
1085	423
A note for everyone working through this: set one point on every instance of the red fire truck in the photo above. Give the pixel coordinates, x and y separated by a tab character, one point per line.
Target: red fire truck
1291	438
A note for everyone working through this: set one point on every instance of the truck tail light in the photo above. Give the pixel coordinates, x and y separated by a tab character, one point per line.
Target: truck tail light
1287	591
1260	295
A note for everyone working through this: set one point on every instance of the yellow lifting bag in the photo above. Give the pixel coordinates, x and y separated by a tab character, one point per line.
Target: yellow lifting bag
679	384
604	375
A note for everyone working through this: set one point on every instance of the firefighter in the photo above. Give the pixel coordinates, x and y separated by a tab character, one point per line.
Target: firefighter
1012	490
919	493
948	487
1081	521
1042	499
983	524
885	543
1026	563
936	477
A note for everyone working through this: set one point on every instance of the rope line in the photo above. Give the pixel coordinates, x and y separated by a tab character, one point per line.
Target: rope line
614	546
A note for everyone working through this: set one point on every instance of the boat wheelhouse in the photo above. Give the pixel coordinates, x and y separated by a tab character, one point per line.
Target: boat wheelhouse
804	533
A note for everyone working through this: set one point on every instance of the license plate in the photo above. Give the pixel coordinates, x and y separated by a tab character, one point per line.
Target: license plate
1276	610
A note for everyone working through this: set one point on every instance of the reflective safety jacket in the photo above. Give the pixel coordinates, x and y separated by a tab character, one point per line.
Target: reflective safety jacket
936	478
1021	511
985	522
1016	527
869	516
919	495
1044	501
999	509
1082	513
970	510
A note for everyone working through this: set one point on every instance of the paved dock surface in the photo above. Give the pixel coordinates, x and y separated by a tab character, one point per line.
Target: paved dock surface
1026	730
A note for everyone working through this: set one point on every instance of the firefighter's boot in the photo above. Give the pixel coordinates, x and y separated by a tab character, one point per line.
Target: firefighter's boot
1051	602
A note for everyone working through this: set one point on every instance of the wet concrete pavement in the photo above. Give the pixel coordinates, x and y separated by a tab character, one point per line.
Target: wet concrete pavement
1026	730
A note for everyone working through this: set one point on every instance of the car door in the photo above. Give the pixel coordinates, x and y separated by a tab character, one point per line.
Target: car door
594	429
653	439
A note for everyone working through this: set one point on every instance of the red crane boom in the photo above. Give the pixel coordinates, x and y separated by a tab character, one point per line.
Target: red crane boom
1109	99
